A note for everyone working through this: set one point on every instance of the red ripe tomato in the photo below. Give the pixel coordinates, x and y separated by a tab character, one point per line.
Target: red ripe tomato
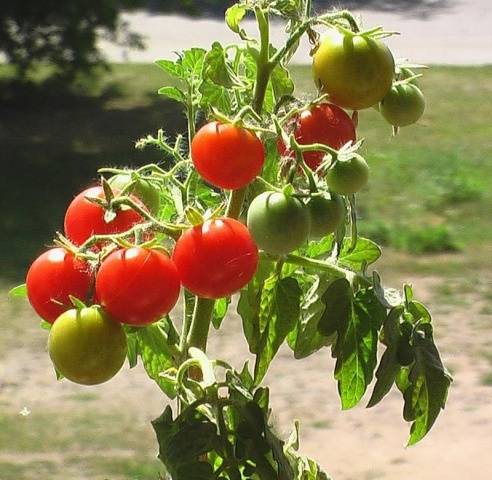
54	276
137	286
216	259
325	123
227	156
84	218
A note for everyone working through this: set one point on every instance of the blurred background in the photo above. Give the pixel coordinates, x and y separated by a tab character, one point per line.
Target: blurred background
78	88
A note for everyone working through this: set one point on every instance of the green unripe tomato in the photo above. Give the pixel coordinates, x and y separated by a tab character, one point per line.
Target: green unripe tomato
279	223
356	71
143	189
326	215
403	105
86	346
348	176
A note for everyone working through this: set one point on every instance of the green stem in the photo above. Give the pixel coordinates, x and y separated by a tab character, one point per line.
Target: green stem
235	203
200	324
317	265
202	314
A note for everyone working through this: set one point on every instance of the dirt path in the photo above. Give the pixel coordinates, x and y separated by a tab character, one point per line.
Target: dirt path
459	34
356	445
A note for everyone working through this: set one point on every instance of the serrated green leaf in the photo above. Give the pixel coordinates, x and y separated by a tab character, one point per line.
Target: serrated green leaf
281	82
172	68
249	305
192	62
20	291
427	393
283	313
173	93
337	299
220	311
365	252
386	373
216	96
215	67
308	338
154	348
356	351
233	17
132	349
321	248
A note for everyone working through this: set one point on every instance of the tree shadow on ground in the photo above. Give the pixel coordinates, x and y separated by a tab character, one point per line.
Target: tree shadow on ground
53	141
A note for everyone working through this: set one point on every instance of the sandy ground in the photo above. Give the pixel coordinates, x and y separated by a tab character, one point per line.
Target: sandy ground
458	34
356	445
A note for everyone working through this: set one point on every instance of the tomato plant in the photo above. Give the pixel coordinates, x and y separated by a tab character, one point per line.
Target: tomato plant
86	346
325	123
301	274
52	278
227	156
137	286
217	258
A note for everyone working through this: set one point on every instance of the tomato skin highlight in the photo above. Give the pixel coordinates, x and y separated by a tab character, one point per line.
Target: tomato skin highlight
84	218
216	259
403	105
143	189
326	215
325	123
137	286
349	176
86	346
52	278
227	156
355	71
279	223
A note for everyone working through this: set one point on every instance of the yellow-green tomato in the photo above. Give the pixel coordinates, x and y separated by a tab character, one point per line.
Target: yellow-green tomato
142	188
356	71
86	346
326	215
348	176
403	105
279	223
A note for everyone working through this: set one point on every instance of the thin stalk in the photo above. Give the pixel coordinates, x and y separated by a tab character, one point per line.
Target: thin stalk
200	323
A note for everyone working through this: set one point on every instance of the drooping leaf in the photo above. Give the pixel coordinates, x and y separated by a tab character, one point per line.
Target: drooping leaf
279	313
307	337
337	299
427	391
233	17
220	311
281	82
248	306
356	350
154	345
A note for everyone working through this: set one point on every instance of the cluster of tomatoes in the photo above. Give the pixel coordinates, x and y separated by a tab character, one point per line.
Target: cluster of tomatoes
138	285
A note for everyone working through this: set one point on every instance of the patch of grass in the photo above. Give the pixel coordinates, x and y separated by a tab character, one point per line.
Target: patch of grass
486	379
46	431
27	470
